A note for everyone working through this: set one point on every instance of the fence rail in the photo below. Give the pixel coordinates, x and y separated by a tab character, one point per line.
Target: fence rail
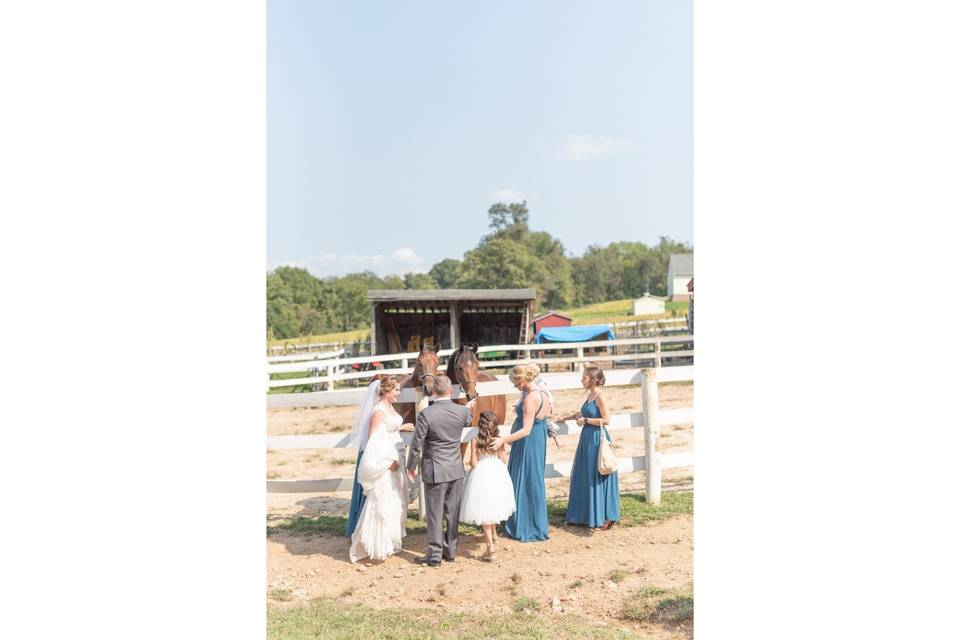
332	367
650	419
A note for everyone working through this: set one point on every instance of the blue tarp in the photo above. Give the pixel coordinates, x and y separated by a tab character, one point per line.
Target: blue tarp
582	333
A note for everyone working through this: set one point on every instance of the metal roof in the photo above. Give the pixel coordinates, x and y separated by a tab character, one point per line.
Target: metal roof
438	295
681	264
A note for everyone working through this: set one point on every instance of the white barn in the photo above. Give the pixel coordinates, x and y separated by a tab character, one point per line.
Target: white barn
649	305
679	273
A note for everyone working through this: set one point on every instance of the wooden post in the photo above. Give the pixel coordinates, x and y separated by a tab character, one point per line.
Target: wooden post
404	363
580	355
454	325
651	433
329	370
656	352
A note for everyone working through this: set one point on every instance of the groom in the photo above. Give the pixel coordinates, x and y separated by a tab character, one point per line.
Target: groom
437	438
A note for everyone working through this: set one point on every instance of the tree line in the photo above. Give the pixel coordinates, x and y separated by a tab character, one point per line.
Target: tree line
510	256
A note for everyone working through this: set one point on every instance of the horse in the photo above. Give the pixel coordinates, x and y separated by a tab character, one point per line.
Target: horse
463	368
424	373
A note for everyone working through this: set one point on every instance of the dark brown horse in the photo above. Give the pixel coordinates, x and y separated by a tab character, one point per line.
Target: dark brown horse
424	373
463	368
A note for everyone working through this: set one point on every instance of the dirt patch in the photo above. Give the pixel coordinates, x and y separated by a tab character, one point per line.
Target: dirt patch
573	568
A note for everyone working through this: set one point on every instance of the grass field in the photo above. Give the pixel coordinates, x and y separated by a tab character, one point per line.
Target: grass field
325	618
619	311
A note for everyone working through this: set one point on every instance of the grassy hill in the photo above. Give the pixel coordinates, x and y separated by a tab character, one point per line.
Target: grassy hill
618	311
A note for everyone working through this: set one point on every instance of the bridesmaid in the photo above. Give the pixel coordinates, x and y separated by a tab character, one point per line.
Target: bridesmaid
594	499
528	457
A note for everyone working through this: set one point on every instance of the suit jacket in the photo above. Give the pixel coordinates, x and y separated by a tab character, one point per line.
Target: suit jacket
436	441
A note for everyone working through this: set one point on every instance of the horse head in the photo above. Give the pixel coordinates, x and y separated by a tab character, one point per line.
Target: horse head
425	370
464	368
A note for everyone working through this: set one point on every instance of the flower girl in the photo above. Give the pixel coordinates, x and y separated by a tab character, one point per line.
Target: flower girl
488	491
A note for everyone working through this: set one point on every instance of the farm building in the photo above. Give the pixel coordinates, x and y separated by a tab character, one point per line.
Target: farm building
552	319
649	305
401	319
679	272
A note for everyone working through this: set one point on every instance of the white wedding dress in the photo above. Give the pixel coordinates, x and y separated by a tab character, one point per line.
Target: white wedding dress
380	526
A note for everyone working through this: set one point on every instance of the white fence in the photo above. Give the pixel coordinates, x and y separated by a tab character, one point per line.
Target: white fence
614	352
650	418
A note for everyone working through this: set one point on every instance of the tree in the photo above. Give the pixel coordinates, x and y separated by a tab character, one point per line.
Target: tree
509	218
445	272
500	263
281	314
419	281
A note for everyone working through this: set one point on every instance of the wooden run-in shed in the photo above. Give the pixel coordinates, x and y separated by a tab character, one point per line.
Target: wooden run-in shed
401	319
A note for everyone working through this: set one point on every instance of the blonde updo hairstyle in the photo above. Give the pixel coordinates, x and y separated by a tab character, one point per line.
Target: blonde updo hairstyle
387	385
522	372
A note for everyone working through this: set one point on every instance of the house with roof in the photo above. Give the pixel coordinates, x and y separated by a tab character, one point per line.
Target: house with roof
647	305
679	273
551	319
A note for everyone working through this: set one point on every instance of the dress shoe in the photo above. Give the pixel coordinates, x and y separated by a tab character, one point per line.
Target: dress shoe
425	560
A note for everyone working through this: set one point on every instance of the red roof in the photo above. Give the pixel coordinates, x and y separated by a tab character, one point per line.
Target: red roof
552	313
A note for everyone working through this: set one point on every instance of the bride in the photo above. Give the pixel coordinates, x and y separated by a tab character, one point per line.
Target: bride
376	432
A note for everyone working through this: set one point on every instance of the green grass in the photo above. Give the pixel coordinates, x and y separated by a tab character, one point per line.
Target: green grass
650	605
337	525
618	575
620	311
281	595
336	620
525	603
634	511
634	508
353	335
342	461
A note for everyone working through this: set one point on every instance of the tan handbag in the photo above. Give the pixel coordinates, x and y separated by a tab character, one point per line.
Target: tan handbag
606	461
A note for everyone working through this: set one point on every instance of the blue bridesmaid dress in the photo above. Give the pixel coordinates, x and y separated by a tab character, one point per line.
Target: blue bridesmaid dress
356	499
528	457
594	498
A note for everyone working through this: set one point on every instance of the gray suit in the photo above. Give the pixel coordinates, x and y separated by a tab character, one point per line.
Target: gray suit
437	437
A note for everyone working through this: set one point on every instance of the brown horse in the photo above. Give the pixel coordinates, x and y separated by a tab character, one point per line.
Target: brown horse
463	368
424	373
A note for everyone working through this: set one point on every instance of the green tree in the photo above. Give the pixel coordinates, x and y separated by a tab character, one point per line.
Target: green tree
281	311
445	272
503	216
419	281
500	263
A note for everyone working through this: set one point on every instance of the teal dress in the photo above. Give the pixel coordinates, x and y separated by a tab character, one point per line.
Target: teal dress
528	458
356	499
594	499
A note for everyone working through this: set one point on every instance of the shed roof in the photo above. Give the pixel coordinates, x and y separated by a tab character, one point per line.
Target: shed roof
681	264
437	295
552	313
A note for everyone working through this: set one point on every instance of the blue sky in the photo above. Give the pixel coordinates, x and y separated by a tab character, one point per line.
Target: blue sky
392	127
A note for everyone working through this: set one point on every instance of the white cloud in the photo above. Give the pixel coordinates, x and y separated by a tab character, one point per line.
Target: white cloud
509	195
398	262
578	146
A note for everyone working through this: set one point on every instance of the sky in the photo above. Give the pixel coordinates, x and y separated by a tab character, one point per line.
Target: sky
392	127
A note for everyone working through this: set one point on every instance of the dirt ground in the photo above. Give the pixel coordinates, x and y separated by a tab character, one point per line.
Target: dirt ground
571	569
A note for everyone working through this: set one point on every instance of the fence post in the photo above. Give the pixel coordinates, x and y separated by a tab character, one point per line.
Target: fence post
651	433
656	352
580	355
329	373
